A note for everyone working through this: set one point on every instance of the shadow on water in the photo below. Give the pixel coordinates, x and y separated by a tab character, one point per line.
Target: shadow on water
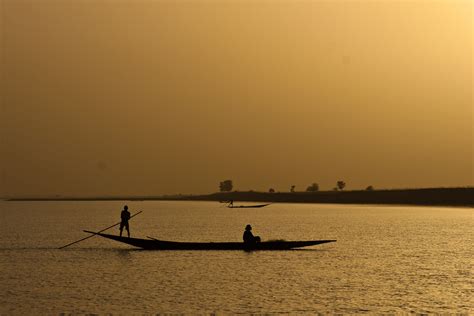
122	250
102	249
309	250
138	250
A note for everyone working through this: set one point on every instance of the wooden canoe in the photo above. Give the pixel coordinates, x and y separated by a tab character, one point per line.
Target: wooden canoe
155	244
247	206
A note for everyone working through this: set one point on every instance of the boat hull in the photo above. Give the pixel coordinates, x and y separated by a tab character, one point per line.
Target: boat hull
247	206
155	244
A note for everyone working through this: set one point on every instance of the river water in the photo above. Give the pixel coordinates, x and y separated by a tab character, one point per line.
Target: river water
387	259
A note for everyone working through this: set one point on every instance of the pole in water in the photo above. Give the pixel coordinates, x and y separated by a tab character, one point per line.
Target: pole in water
103	230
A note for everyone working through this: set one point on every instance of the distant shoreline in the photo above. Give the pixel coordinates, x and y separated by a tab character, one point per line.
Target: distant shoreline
422	197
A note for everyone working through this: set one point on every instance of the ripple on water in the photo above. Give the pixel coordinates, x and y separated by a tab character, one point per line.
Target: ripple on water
386	260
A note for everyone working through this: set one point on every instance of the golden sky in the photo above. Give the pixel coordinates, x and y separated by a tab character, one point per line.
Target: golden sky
174	96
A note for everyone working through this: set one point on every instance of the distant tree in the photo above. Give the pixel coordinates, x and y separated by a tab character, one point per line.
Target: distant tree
292	189
271	190
341	185
226	186
369	188
313	188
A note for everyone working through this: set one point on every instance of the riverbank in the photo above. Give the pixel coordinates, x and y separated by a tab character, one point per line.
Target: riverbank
428	197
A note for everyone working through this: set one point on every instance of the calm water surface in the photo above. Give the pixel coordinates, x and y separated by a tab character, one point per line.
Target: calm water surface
387	259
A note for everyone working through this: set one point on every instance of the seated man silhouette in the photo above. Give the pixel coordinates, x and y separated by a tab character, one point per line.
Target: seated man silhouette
249	238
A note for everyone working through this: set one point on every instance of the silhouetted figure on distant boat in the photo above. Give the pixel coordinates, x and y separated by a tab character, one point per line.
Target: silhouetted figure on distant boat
249	238
125	216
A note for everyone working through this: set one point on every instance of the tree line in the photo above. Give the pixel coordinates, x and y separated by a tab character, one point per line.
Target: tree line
227	186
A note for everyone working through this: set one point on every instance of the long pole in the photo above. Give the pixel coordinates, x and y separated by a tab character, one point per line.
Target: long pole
103	230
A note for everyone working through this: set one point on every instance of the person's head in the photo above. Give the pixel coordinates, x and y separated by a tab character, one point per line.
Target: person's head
125	207
248	227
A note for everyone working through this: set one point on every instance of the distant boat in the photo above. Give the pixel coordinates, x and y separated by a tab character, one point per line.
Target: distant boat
247	206
155	244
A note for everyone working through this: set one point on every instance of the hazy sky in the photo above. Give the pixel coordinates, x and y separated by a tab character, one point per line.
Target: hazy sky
174	96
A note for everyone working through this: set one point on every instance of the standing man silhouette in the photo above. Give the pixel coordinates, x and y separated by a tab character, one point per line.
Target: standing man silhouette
125	216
